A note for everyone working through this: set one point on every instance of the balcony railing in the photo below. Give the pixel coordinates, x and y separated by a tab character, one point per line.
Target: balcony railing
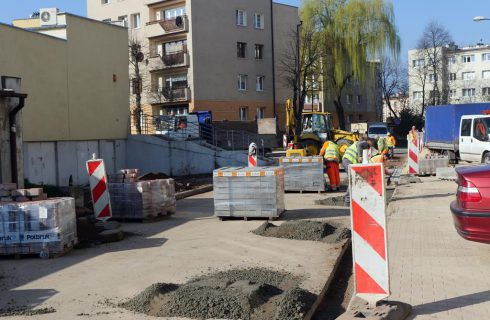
165	95
178	24
171	60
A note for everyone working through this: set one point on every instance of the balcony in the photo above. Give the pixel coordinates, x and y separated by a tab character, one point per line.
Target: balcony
168	26
168	61
164	95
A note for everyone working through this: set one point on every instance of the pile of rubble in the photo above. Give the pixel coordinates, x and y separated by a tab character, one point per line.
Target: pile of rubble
10	193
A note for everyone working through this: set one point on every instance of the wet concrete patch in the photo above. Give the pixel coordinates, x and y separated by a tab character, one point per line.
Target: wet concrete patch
255	294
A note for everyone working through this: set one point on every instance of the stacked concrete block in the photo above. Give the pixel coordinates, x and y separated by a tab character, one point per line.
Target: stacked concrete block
249	192
46	227
143	199
10	193
124	175
430	164
303	173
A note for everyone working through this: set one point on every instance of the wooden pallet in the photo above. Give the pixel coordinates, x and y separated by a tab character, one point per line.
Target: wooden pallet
231	218
67	248
148	219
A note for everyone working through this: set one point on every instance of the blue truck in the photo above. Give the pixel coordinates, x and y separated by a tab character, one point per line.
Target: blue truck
442	127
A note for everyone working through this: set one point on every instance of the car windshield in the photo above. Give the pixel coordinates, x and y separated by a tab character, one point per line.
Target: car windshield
378	130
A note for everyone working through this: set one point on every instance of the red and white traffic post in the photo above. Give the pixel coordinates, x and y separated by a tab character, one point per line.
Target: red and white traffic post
99	189
252	155
413	155
285	141
369	242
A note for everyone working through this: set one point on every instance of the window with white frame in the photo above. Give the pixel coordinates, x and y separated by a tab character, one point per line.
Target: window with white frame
418	63
451	60
241	18
469	92
260	112
468	76
170	14
452	93
259	83
359	99
135	21
418	94
243	113
349	98
485	74
485	57
259	21
124	20
468	58
432	77
452	76
242	82
241	49
259	51
486	91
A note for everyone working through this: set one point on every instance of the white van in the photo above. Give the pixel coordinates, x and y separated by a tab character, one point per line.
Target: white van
474	138
379	129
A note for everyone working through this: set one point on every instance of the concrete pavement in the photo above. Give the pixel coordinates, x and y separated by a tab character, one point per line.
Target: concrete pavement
440	274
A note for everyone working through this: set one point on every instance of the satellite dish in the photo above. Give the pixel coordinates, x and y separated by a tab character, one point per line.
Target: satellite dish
140	57
179	22
45	16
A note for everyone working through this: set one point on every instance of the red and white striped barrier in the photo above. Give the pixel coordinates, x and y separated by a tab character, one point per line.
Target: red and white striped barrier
368	218
252	155
99	189
284	141
413	154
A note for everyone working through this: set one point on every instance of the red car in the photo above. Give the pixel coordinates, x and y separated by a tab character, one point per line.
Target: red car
471	209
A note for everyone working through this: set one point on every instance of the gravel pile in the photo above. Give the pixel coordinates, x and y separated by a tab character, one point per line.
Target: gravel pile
331	201
249	294
25	311
296	230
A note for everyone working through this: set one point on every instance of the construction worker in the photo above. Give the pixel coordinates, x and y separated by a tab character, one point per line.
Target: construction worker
382	147
353	155
331	155
390	144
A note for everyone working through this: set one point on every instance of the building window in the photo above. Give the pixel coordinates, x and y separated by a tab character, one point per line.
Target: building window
452	93
485	74
349	99
135	21
243	113
350	118
259	51
469	92
432	77
485	57
452	60
242	82
468	58
360	117
418	63
170	14
417	94
261	113
106	1
468	76
486	91
359	99
241	49
259	84
452	76
258	21
124	20
241	18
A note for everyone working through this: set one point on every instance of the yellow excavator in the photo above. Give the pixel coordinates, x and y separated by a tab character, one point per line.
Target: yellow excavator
316	128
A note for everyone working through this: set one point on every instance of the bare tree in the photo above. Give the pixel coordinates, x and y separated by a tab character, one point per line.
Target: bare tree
393	79
136	58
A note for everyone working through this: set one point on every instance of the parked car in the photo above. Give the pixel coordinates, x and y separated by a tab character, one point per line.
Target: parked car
377	129
471	209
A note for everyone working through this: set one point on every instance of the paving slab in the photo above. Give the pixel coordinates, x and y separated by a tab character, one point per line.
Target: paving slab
189	244
439	273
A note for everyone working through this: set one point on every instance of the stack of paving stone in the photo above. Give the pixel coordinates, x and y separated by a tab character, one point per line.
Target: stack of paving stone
303	173
46	227
249	192
124	175
10	193
142	199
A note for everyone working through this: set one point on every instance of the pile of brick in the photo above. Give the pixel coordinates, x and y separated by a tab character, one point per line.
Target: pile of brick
303	173
10	193
124	175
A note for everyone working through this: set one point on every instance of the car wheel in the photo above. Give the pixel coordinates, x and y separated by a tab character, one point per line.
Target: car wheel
486	158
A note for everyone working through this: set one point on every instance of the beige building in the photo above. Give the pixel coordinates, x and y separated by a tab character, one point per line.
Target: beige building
206	55
75	72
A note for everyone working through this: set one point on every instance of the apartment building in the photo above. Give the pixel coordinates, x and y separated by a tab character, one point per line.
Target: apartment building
213	55
463	75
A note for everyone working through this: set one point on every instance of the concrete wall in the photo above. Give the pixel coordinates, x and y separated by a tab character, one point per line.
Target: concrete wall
53	163
70	82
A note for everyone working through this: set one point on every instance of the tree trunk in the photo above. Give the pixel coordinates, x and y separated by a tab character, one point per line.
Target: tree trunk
340	113
138	97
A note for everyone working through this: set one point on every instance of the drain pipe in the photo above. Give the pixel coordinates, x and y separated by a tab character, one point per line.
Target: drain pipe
13	131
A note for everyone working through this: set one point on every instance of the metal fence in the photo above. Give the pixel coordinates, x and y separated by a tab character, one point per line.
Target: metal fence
178	128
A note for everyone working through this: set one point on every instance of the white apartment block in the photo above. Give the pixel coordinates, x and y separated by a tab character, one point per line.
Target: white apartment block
200	55
463	78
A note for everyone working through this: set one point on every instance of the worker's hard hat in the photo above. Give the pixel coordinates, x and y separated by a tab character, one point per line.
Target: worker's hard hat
388	134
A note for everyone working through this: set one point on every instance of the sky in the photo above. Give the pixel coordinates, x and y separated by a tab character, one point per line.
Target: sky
411	16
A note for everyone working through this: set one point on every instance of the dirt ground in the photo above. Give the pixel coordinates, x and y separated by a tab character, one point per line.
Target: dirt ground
92	282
